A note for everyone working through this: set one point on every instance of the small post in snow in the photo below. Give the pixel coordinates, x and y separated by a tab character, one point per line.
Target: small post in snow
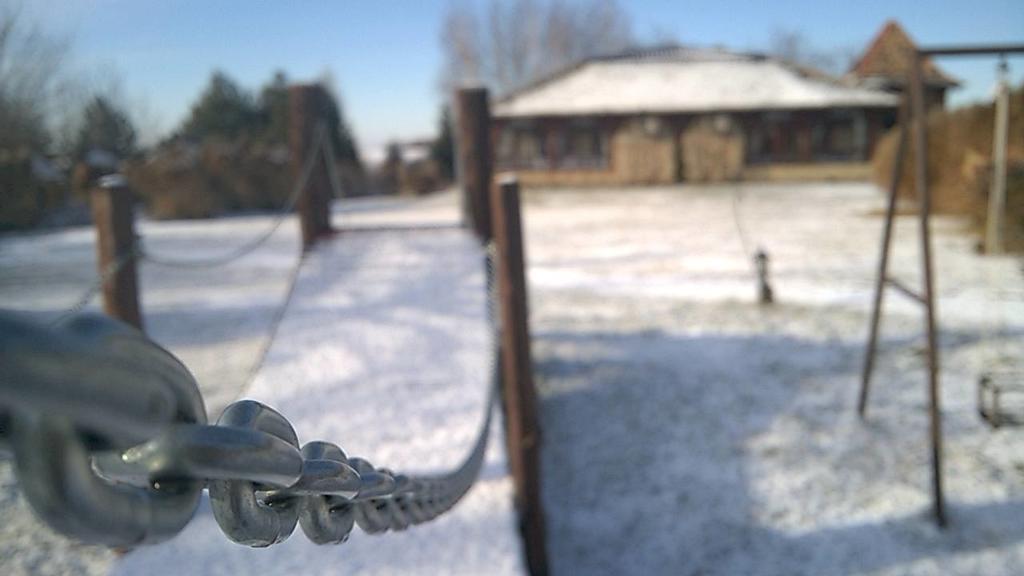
519	397
764	286
115	248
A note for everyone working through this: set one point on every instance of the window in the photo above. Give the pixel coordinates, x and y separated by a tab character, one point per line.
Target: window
840	135
521	145
583	146
772	138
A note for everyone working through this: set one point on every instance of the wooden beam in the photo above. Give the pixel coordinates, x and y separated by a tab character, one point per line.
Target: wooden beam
473	158
519	396
307	105
116	250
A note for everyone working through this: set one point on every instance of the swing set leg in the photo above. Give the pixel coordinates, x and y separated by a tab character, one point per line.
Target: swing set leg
883	263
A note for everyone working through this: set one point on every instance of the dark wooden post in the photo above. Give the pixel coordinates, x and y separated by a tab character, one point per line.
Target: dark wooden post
517	388
765	293
115	249
473	158
306	117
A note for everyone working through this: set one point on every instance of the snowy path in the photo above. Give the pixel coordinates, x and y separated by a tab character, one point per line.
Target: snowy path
218	321
383	350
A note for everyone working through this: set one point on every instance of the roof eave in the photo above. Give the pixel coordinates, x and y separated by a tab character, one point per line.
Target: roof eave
708	110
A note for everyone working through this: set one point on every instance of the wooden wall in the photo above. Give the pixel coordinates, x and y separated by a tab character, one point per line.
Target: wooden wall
647	150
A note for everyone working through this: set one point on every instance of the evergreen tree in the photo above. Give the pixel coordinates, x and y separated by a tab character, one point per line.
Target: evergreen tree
443	148
106	128
341	135
224	109
273	108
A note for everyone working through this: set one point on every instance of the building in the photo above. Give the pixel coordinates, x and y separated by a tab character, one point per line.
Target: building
885	65
676	114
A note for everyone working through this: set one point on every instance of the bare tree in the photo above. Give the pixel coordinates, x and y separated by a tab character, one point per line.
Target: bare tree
31	66
513	43
793	47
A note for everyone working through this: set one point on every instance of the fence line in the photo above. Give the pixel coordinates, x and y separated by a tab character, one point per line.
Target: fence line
320	145
111	446
96	286
109	430
139	252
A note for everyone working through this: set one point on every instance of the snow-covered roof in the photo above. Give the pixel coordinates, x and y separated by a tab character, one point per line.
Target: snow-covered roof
684	80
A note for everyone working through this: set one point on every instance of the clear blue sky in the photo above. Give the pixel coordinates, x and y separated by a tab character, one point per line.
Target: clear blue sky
385	55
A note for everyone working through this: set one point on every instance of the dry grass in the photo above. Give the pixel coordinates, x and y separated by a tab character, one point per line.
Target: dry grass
960	164
185	180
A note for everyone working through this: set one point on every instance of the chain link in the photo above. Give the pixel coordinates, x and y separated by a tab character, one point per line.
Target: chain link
111	446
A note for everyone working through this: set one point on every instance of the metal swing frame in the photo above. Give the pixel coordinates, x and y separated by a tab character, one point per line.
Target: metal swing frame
912	110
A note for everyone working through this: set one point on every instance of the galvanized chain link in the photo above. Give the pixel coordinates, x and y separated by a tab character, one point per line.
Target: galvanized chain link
111	446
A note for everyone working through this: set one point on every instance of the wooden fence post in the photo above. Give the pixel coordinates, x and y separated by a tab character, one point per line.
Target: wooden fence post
307	105
473	158
518	394
115	249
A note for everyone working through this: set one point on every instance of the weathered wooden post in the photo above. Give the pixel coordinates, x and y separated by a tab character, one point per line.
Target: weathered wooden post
997	193
765	293
473	158
518	394
307	104
115	248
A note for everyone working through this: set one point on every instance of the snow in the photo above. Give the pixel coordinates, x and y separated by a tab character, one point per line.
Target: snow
713	85
689	430
686	429
383	350
216	320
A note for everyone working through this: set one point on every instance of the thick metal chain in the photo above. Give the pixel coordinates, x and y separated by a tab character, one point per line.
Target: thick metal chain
111	446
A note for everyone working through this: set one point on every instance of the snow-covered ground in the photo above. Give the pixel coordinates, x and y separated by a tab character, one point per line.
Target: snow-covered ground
216	320
384	349
686	429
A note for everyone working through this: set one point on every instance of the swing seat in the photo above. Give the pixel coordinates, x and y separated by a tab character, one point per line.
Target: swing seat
1001	397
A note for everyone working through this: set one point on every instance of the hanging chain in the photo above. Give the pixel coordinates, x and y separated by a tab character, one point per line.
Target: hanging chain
321	146
111	446
109	271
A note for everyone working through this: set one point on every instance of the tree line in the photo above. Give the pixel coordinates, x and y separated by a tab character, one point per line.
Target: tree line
228	153
231	152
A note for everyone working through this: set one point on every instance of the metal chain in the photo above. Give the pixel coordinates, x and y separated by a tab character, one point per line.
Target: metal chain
754	256
108	272
320	146
111	446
